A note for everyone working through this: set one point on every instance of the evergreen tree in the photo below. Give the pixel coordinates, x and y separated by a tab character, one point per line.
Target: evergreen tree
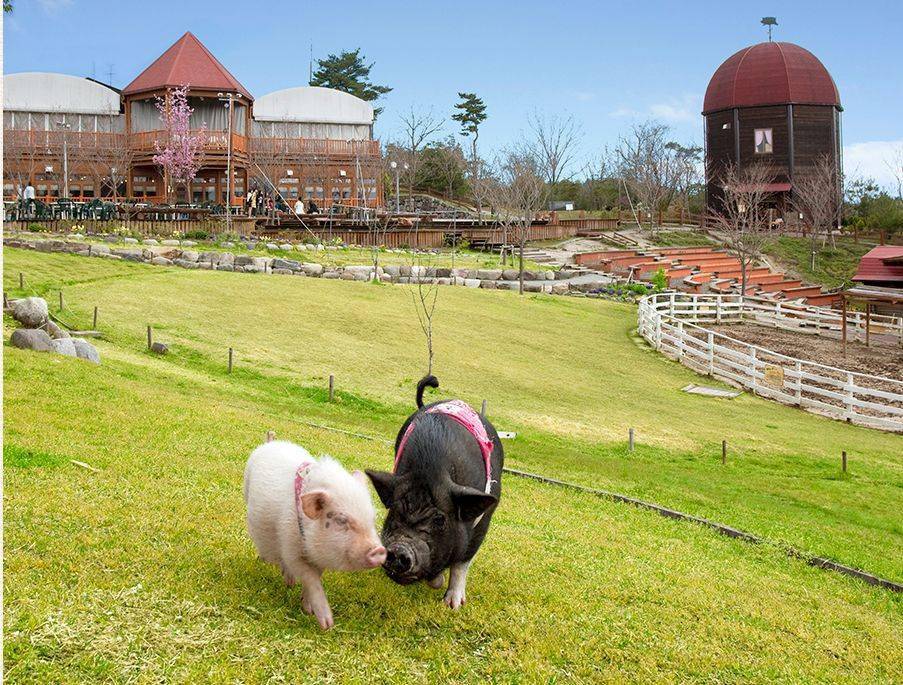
471	113
349	73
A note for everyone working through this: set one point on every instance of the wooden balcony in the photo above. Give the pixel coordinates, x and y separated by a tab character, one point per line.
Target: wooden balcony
40	141
216	142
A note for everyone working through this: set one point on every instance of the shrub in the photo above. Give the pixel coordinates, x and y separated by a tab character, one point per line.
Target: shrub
197	235
37	228
659	281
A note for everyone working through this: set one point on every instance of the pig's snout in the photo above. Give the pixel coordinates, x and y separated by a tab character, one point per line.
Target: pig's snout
376	556
399	560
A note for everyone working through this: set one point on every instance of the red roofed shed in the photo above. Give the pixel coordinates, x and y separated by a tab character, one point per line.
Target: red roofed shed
881	266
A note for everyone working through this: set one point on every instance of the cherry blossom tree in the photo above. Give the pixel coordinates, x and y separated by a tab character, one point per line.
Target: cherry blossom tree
180	156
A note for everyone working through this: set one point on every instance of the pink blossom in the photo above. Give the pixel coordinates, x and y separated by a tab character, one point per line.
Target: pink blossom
180	157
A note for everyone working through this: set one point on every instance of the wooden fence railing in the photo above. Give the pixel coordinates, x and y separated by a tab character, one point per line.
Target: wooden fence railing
668	321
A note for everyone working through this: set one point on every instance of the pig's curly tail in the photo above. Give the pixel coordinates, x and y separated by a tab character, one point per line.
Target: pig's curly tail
430	381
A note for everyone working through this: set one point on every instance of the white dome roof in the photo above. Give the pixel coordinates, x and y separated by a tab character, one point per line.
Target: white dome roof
34	91
312	104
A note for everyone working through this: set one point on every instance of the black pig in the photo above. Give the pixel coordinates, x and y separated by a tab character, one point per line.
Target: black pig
440	497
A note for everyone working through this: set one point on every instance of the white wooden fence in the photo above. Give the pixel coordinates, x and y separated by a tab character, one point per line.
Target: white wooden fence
668	321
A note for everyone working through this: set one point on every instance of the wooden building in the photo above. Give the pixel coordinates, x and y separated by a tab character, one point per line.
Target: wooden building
776	104
312	143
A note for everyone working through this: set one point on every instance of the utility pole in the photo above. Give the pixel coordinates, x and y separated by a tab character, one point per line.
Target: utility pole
65	126
228	100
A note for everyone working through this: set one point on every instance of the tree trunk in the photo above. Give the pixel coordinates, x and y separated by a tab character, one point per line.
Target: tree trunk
521	267
742	276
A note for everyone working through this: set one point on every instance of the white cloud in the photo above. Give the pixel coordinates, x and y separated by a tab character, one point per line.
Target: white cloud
682	110
870	160
54	6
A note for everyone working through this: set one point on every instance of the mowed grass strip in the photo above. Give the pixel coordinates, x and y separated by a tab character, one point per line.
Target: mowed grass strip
564	373
144	572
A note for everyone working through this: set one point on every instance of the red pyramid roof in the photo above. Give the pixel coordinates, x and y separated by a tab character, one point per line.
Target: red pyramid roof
187	61
770	74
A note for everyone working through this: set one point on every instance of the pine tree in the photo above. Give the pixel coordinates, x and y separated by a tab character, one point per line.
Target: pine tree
349	73
472	113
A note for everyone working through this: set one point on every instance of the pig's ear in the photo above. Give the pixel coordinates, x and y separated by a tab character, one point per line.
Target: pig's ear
314	503
470	502
384	484
359	477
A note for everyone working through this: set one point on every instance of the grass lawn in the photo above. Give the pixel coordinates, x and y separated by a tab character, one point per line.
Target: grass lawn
143	571
678	239
834	266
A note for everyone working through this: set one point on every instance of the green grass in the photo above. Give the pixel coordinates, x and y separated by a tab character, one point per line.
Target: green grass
834	266
678	239
144	572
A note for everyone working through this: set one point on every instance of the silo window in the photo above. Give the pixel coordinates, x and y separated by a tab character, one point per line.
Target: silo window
763	141
726	126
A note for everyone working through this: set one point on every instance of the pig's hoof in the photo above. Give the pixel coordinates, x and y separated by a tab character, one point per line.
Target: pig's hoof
324	618
437	582
455	599
305	604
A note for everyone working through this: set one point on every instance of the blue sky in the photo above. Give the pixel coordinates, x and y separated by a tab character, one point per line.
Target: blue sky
608	64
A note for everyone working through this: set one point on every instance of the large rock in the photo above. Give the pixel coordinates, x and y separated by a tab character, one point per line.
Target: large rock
161	261
185	264
224	267
312	269
272	246
261	263
243	260
472	282
170	242
560	288
132	255
392	270
289	264
130	241
54	330
301	247
99	249
286	246
64	346
85	350
190	255
489	274
31	339
510	274
159	348
31	312
150	241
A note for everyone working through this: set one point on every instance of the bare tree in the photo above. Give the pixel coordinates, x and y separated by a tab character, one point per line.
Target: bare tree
648	165
689	175
416	130
522	193
894	162
742	214
424	294
816	195
555	144
450	164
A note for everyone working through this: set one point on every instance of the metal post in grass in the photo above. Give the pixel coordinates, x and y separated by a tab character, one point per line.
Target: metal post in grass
331	387
843	461
724	451
21	281
150	337
483	408
94	325
230	360
61	301
630	439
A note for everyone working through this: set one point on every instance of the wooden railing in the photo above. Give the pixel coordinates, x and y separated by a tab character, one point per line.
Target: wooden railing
39	141
214	141
666	322
314	146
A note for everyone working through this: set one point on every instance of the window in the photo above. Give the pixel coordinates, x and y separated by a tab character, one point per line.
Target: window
726	126
763	141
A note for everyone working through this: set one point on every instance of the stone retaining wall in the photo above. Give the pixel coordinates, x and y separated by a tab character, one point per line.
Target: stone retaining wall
174	253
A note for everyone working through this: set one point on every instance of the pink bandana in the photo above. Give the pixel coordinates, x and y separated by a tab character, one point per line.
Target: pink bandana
467	417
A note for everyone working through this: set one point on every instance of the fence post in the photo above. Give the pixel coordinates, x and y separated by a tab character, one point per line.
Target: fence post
724	451
851	412
94	324
671	305
61	301
150	337
799	383
718	308
754	362
843	461
21	281
695	307
777	315
680	340
630	439
331	387
711	346
483	408
230	360
658	331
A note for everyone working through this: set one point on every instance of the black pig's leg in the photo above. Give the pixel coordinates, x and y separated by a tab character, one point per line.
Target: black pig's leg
455	596
437	582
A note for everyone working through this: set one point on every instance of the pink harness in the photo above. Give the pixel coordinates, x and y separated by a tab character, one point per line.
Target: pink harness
467	417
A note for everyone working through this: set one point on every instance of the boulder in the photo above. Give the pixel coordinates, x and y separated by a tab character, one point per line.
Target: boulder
457	280
272	246
301	247
85	350
55	331
130	241
31	312
492	285
442	272
392	270
472	282
212	257
205	265
443	281
312	269
159	348
531	287
489	274
185	264
286	246
170	242
289	264
243	260
228	243
560	288
251	269
190	255
405	271
64	346
321	248
99	249
510	274
226	258
31	339
261	263
150	241
131	255
347	276
550	275
224	267
330	274
111	256
282	272
188	243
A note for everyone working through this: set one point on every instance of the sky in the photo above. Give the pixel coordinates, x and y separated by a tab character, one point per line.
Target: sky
609	65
